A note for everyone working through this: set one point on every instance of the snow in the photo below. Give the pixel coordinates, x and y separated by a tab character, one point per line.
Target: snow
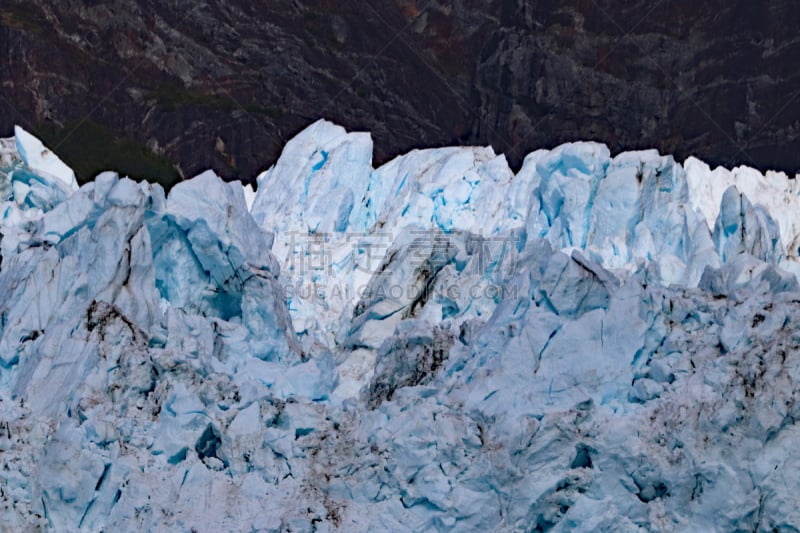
596	342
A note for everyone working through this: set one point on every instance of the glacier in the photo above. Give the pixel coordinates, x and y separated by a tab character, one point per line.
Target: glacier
592	343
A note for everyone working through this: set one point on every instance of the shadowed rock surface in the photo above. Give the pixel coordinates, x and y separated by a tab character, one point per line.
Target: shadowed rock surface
225	84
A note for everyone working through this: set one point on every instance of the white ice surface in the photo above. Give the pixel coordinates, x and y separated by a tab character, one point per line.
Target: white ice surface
42	160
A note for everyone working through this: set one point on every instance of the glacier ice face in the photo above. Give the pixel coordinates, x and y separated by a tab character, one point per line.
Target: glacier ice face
591	343
43	162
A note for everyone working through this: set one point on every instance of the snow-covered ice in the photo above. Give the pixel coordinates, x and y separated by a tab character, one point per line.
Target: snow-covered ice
595	342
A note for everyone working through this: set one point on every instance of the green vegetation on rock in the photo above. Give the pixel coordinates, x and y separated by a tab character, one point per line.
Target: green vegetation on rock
175	97
20	18
90	148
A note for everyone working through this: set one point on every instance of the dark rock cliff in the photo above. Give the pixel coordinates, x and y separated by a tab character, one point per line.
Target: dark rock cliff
143	84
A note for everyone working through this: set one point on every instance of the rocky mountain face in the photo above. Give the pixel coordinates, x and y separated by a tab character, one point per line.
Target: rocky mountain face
144	85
